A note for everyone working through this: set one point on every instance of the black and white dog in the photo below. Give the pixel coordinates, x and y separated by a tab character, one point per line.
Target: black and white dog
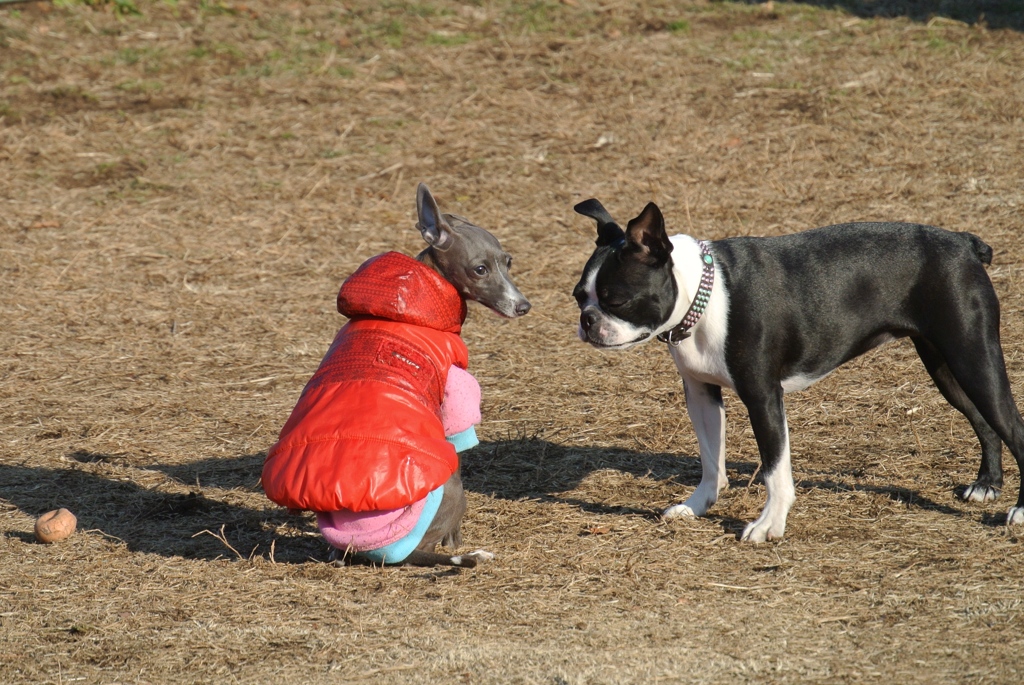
767	316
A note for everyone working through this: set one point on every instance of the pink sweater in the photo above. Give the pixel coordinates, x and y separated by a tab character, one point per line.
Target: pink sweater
461	406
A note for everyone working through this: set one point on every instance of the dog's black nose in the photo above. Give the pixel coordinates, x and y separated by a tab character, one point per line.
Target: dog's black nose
522	308
587	319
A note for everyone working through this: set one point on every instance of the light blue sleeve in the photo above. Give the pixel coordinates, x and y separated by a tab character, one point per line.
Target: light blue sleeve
464	440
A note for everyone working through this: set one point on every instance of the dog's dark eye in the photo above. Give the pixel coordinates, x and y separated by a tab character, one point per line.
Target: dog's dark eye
580	294
611	300
508	264
480	270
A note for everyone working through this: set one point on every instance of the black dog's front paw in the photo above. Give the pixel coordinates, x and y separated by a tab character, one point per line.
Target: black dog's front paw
979	491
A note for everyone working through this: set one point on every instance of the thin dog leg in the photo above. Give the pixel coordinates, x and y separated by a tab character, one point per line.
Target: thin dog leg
768	418
707	412
990	474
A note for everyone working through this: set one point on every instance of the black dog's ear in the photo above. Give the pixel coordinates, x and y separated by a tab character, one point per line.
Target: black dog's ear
646	236
434	229
608	232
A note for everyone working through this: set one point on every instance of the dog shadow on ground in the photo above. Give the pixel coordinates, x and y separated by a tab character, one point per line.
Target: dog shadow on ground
224	514
548	472
205	523
995	14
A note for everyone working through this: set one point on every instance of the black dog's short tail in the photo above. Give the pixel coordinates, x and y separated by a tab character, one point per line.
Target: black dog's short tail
981	248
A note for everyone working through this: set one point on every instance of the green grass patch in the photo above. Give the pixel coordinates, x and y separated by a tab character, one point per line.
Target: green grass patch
535	17
140	86
750	36
217	7
128	56
390	31
71	93
940	43
150	59
121	8
229	50
8	32
448	39
8	112
418	9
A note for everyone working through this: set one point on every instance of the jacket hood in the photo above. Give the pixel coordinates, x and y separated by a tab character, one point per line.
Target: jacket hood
395	287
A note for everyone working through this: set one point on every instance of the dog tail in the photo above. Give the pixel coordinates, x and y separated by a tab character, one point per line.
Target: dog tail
417	557
421	557
981	248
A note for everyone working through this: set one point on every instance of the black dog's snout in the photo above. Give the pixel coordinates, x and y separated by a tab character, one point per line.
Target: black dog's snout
587	319
522	308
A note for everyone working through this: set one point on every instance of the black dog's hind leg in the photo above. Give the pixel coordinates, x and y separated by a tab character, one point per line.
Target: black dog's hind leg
989	483
976	362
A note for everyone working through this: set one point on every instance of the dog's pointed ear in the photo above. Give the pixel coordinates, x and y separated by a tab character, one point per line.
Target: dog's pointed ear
646	236
608	232
434	229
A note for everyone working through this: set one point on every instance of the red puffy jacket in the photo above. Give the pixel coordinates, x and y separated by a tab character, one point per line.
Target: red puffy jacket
366	434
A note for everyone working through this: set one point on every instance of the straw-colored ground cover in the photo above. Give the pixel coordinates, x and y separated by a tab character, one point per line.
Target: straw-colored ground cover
184	190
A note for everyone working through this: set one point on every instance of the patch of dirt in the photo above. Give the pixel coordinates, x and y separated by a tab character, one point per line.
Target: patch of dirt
42	107
102	174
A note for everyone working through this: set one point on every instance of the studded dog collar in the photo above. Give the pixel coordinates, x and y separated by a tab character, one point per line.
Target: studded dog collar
681	332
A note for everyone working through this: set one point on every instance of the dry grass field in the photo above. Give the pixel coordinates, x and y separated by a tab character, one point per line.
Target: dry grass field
185	188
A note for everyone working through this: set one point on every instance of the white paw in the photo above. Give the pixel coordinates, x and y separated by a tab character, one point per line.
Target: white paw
678	511
481	555
976	492
1015	516
696	504
764	529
